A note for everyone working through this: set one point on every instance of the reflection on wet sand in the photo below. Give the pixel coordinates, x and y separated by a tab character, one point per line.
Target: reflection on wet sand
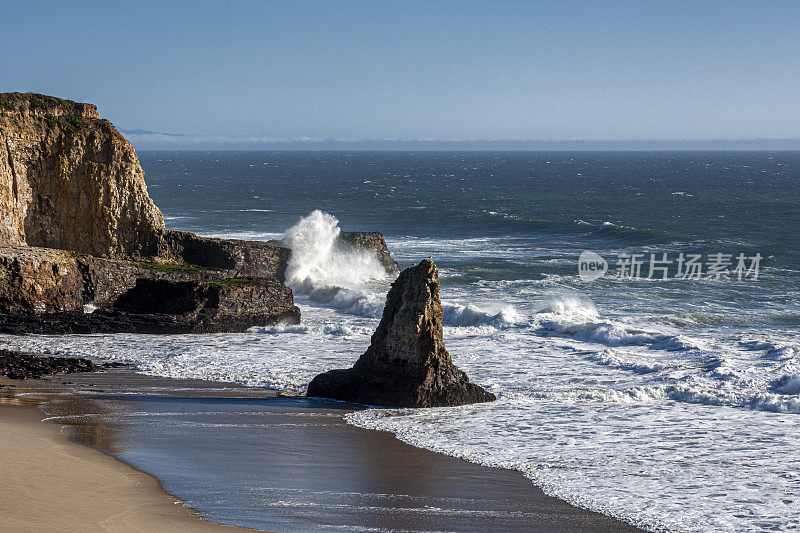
90	419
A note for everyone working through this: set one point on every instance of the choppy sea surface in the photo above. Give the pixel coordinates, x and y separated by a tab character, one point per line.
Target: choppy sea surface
672	404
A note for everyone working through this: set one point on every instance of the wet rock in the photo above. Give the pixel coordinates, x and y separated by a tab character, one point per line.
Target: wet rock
406	364
20	365
211	306
373	242
166	306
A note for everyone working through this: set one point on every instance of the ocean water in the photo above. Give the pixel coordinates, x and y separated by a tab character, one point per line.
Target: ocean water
672	404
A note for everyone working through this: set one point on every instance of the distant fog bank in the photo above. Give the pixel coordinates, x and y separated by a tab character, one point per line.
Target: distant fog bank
148	140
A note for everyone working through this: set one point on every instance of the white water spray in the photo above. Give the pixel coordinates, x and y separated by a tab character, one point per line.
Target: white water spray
329	270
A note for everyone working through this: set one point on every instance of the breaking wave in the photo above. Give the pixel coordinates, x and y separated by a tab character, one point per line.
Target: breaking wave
578	318
471	315
320	260
326	271
777	351
337	330
329	271
619	233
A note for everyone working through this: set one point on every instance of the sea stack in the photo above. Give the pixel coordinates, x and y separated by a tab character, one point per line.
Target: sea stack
406	364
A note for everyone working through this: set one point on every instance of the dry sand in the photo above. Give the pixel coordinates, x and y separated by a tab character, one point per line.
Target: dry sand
53	484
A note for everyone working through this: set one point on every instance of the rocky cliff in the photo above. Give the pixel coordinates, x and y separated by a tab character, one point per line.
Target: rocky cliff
56	291
406	364
79	233
70	180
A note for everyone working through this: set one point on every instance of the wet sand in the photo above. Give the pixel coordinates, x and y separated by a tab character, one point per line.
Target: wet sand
249	457
53	484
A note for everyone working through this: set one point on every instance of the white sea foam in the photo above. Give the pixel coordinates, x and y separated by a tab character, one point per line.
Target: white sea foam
338	330
787	384
472	315
779	351
319	259
639	364
578	317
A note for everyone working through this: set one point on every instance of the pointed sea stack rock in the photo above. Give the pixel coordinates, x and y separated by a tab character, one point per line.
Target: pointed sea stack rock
406	365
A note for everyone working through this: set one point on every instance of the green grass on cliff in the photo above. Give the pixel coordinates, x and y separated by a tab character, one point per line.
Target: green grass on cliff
71	123
74	123
40	101
71	119
10	101
169	269
236	282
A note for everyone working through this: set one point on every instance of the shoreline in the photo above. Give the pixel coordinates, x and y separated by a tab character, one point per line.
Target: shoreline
46	472
467	496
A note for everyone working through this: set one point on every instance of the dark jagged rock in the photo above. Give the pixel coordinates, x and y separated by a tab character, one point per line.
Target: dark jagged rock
49	291
253	259
20	365
209	306
406	364
167	306
374	242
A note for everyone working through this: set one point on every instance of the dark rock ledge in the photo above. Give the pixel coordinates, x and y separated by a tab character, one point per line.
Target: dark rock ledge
56	292
22	365
406	364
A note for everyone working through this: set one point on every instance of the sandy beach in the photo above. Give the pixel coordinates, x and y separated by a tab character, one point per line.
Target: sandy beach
53	484
276	463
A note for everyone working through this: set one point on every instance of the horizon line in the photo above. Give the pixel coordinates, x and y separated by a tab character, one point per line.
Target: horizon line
306	139
147	140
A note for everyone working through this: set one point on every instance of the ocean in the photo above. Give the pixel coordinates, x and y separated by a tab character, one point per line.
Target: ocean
669	403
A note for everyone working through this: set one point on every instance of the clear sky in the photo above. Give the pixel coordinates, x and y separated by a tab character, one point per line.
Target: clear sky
417	70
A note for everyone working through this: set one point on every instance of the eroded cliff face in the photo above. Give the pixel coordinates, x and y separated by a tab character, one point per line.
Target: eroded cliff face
69	180
56	291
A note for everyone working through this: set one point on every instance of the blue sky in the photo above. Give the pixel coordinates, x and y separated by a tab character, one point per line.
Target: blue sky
417	70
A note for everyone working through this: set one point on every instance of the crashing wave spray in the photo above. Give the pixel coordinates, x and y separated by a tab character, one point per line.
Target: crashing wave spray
328	270
332	272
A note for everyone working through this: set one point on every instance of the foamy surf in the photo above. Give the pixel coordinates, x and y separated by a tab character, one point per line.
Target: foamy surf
578	318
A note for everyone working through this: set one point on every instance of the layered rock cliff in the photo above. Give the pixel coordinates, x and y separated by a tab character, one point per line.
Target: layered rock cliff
406	364
70	180
56	291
